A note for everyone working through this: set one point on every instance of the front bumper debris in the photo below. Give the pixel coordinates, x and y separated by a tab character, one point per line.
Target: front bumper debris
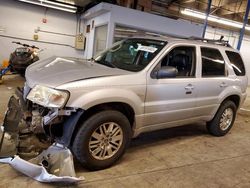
9	131
8	144
53	165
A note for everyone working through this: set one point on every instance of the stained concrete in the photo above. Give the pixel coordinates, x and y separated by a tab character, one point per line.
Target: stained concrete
179	157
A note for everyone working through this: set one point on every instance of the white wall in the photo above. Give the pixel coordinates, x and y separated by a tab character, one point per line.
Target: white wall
19	19
245	51
233	38
150	22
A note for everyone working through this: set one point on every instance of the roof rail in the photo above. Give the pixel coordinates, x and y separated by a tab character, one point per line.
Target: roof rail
218	42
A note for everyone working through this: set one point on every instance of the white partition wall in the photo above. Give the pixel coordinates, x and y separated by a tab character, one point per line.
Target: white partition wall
116	15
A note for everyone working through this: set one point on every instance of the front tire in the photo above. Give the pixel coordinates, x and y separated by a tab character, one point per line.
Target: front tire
102	139
223	120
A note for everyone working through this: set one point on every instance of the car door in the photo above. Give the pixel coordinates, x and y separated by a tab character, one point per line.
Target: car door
212	82
171	100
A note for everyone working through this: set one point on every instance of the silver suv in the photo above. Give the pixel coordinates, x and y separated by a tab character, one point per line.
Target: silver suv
139	85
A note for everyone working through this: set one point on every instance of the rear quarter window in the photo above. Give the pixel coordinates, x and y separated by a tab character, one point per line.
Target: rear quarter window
236	62
213	64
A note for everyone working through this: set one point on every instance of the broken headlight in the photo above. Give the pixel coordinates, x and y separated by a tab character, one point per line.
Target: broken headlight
48	97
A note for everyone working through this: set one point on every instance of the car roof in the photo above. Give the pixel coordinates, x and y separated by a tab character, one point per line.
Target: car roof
220	44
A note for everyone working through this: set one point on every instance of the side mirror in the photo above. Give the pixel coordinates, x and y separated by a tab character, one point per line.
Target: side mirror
166	72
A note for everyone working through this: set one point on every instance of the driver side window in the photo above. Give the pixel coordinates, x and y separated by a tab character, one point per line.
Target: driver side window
183	58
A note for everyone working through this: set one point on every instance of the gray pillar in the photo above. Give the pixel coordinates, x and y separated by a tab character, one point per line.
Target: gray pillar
206	21
242	31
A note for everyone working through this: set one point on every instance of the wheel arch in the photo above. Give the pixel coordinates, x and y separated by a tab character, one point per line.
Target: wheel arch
124	108
233	98
222	122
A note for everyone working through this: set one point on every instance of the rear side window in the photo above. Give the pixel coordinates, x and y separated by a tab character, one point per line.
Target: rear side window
236	62
213	64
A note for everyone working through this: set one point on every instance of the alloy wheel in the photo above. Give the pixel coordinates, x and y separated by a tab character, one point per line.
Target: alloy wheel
105	141
226	119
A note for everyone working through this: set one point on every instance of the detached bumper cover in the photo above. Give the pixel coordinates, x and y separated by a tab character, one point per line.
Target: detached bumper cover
53	165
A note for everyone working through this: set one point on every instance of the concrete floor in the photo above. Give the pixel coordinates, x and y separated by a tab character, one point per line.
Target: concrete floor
178	157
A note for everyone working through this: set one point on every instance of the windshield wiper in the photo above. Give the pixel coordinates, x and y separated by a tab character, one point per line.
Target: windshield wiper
110	64
107	63
91	59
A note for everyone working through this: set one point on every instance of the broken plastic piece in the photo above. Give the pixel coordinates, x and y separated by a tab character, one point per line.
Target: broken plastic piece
8	143
9	129
53	165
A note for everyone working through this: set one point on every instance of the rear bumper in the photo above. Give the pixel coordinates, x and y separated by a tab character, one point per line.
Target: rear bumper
243	98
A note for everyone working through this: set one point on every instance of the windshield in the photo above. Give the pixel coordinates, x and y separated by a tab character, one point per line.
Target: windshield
131	54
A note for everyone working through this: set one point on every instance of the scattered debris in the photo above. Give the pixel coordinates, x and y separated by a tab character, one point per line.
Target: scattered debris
244	109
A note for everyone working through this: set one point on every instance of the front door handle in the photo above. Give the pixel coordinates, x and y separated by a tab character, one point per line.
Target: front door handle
189	87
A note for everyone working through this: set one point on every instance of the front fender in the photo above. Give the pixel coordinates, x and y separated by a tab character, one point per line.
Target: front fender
100	96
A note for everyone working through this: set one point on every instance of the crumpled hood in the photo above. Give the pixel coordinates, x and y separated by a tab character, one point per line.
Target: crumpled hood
56	71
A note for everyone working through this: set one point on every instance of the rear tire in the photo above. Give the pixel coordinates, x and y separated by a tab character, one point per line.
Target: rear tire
102	139
223	120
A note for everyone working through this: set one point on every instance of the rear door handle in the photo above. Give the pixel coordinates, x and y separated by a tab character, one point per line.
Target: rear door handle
223	84
189	89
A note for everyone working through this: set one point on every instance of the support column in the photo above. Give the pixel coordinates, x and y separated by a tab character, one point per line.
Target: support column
206	21
111	31
242	31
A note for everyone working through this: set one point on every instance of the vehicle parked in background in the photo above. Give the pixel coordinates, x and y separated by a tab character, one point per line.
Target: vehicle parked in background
138	85
20	59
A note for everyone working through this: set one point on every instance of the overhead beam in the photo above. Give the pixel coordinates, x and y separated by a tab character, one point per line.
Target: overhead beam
233	8
221	3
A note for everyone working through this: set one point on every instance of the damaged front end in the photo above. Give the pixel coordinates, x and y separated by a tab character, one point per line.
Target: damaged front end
28	129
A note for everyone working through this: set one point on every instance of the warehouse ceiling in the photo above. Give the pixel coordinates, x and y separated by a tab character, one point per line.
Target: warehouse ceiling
229	9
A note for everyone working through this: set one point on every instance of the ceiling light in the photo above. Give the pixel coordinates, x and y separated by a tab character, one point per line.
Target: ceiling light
58	4
215	19
126	30
44	3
